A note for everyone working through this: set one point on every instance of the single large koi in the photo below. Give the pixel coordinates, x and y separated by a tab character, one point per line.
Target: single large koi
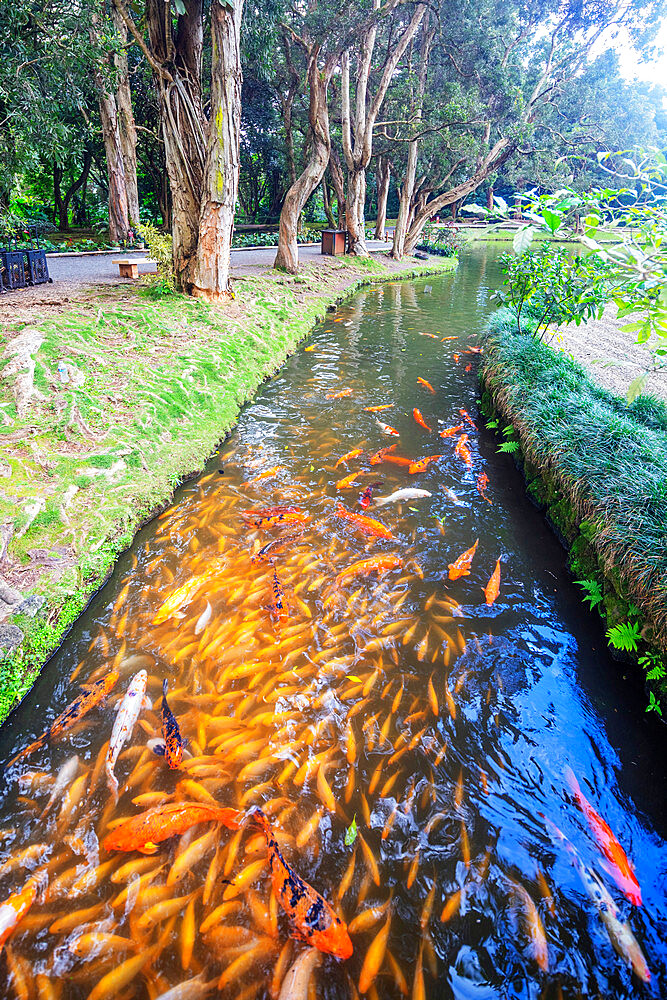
463	451
313	919
144	832
417	414
492	588
381	455
461	566
347	482
350	454
278	604
376	564
450	431
427	385
15	908
619	867
468	419
339	395
128	713
179	599
90	696
377	409
366	525
366	496
173	741
482	486
268	551
421	466
387	429
273	517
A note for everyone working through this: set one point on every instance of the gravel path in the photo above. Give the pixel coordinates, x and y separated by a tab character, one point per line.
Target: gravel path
100	268
611	355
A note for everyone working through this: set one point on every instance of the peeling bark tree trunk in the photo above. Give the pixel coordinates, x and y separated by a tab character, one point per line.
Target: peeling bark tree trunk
287	258
327	203
119	222
221	175
338	181
128	132
182	121
383	176
358	154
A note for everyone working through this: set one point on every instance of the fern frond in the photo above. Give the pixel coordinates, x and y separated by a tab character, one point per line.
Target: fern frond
624	636
509	447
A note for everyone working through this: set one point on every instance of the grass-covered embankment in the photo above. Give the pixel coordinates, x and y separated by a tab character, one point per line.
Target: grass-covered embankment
129	394
599	468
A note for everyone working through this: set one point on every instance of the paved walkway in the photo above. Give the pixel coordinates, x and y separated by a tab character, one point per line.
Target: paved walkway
99	268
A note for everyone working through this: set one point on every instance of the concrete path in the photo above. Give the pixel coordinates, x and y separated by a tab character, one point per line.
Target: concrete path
99	267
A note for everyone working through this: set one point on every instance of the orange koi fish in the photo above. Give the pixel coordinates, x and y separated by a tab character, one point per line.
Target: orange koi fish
463	451
366	525
272	517
450	431
492	588
91	695
468	368
351	454
311	348
468	419
421	466
427	385
474	350
15	908
339	395
619	868
431	335
482	486
444	339
173	741
266	475
347	482
376	564
461	566
387	429
144	832
312	918
457	358
380	455
398	460
377	409
420	420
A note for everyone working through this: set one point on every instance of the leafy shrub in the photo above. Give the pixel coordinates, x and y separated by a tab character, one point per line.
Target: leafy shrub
444	241
160	248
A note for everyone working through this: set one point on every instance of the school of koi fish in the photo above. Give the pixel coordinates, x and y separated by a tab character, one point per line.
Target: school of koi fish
281	704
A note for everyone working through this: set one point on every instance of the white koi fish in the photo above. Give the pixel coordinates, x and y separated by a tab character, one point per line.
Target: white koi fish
400	495
128	713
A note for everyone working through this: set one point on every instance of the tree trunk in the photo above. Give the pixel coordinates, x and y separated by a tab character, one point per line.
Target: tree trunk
222	159
128	132
405	202
327	203
119	222
383	176
58	200
354	211
338	181
182	123
489	198
454	210
287	258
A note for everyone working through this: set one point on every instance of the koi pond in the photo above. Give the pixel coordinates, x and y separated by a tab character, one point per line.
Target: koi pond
406	683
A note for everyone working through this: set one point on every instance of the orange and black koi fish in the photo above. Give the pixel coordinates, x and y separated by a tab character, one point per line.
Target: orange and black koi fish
144	832
272	517
366	497
90	696
450	431
313	919
15	908
377	409
350	454
417	414
380	455
278	604
173	741
482	486
461	566
421	466
427	385
474	350
463	451
377	564
366	525
468	419
267	552
339	395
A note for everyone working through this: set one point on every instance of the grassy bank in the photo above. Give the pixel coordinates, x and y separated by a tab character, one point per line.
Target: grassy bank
599	468
128	396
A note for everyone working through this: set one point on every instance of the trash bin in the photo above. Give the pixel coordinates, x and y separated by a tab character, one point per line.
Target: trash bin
333	242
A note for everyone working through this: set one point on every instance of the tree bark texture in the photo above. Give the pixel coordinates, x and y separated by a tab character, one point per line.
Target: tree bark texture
338	182
287	257
119	222
382	178
128	132
221	175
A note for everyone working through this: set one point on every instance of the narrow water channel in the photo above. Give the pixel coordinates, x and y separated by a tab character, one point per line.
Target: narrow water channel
390	696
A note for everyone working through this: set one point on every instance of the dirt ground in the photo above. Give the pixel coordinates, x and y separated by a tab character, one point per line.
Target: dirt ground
611	355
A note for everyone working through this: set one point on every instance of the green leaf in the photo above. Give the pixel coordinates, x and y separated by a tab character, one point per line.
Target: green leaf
553	221
179	7
351	832
624	636
593	592
635	388
523	239
653	704
509	447
508	430
492	424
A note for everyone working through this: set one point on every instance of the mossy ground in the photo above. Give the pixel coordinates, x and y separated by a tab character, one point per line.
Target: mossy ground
163	381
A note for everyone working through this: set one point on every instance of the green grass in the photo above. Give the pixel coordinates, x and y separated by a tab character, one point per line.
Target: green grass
164	381
607	459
